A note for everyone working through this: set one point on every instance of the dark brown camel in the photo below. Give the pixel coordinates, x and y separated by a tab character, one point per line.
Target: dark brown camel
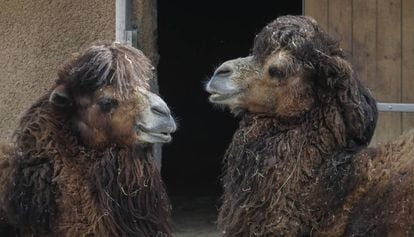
81	160
299	164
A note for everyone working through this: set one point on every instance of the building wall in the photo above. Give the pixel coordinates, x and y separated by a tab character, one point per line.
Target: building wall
378	37
38	36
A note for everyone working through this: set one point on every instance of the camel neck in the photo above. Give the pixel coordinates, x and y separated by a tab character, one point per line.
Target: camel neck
128	186
289	169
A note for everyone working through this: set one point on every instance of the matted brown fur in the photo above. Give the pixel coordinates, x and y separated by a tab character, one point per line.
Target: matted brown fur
310	174
55	184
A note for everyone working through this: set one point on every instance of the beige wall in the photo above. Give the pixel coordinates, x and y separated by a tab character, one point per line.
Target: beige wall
37	36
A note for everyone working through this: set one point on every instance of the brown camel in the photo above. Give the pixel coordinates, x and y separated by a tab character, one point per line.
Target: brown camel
299	164
81	160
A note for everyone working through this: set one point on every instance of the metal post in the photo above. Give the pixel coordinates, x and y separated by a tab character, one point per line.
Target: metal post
303	7
123	29
120	20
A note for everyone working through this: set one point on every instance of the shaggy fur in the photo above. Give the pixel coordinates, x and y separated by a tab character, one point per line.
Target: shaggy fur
54	183
309	173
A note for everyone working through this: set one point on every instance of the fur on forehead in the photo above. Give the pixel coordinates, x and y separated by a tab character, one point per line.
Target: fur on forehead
120	66
301	35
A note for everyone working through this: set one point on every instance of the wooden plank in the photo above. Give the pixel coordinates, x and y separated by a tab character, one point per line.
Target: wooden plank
408	60
317	9
388	88
364	43
340	23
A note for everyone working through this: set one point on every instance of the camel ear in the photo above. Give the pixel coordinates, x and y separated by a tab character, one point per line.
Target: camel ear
358	106
334	71
60	97
336	79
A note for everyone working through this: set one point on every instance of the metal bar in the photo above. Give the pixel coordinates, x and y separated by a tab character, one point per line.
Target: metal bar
120	20
395	107
303	7
123	29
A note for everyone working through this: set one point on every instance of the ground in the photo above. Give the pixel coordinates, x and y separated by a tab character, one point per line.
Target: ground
194	216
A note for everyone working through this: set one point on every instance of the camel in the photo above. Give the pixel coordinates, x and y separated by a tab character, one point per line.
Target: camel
81	163
298	164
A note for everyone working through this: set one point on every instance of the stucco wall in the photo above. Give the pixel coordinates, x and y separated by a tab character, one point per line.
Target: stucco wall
38	36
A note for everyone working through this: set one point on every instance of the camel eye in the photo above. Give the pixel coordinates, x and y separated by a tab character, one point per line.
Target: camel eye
107	104
276	72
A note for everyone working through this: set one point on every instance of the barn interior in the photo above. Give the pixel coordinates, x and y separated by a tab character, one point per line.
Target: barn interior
194	37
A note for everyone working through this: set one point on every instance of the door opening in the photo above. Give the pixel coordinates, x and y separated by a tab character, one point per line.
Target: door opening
194	37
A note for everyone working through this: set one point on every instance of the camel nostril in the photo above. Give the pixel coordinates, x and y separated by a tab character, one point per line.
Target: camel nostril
160	110
223	71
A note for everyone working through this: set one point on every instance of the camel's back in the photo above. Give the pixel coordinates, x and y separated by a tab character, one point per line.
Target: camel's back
387	208
401	149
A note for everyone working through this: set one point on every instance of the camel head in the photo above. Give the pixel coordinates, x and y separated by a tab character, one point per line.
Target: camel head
105	89
276	86
280	76
296	68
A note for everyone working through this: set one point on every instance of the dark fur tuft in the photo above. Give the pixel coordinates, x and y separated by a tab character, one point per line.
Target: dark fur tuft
107	64
300	35
130	194
31	192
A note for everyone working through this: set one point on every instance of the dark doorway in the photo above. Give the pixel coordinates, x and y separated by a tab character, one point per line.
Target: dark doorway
194	37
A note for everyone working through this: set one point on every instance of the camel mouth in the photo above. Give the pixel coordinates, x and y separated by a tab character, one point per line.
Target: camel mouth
154	135
160	137
222	90
222	98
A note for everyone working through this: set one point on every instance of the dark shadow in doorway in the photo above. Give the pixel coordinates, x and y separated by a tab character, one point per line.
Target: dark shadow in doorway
194	37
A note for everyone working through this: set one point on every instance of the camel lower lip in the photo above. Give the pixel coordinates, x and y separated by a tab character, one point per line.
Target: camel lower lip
220	97
154	136
157	137
161	136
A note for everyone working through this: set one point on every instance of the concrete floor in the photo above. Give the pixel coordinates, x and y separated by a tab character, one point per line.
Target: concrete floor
194	216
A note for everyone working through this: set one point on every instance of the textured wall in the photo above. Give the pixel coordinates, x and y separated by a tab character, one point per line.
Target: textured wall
38	36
